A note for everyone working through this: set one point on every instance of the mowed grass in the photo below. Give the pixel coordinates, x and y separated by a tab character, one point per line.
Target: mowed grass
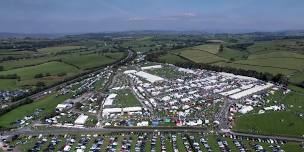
93	60
200	56
287	123
126	98
57	49
211	48
47	103
53	68
273	123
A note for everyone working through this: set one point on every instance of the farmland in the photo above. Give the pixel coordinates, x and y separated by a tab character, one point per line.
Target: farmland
53	64
199	56
279	56
47	105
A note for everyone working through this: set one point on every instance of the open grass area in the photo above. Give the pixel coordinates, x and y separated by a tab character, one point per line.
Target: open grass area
172	59
52	68
231	54
48	105
283	63
272	123
287	122
24	62
53	71
211	48
27	74
8	84
126	98
92	60
277	54
57	49
200	56
258	68
166	72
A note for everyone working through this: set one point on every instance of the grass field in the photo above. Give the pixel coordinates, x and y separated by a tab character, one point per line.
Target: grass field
279	123
172	58
50	50
211	48
271	70
48	104
271	123
72	64
200	56
166	72
229	54
8	84
126	98
277	54
53	68
92	60
284	63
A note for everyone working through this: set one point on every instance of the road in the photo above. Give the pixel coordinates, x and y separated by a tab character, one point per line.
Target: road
54	131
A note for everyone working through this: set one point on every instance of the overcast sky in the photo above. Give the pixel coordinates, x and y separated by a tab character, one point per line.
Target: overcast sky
80	16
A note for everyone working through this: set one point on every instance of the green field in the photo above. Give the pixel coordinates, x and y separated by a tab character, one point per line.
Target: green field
171	58
8	84
166	72
53	68
211	48
27	74
48	105
50	50
271	70
200	56
287	122
92	60
126	98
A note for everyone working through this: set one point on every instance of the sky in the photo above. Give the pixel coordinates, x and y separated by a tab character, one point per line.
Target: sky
84	16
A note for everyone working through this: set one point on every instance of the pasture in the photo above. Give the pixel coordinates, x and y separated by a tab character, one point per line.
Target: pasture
171	58
53	68
50	50
200	56
258	68
47	104
211	48
92	60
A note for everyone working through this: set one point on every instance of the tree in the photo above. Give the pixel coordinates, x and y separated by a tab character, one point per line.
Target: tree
232	59
40	84
1	68
221	48
78	105
39	75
